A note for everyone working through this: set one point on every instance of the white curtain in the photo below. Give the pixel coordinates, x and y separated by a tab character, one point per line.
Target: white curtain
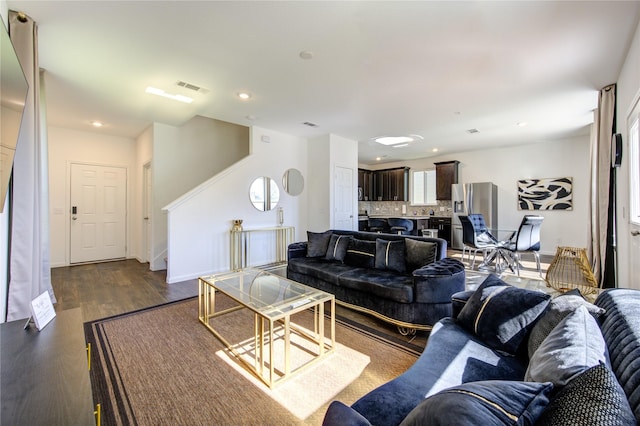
29	265
601	133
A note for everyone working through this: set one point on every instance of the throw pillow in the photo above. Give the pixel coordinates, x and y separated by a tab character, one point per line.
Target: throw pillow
501	315
491	402
559	307
419	253
595	396
390	255
573	346
361	253
317	243
337	248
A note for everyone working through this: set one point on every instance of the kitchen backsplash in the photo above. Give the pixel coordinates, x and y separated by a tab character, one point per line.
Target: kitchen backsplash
394	208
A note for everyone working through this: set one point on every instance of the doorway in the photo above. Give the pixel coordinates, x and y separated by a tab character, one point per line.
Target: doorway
344	198
98	213
146	211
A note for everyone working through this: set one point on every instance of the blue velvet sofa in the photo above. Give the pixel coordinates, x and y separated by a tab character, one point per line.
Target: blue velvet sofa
405	280
573	363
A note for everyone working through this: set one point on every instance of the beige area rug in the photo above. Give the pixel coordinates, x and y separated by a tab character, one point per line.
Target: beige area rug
161	366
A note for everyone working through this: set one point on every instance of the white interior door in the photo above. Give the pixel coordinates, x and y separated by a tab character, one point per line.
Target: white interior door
146	225
98	213
343	198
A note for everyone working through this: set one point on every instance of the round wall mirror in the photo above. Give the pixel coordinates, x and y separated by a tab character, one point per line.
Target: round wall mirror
293	182
264	193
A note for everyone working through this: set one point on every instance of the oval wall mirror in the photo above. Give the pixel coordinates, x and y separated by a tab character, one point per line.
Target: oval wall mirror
293	182
264	193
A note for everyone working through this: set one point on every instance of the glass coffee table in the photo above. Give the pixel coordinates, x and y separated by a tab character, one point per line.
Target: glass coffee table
273	300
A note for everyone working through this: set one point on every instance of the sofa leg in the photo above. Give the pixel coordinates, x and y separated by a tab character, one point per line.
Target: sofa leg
406	331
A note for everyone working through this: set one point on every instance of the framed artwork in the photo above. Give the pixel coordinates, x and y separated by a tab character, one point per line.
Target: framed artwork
545	194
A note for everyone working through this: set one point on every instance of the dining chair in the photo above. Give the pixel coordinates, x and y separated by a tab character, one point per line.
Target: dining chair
476	236
527	240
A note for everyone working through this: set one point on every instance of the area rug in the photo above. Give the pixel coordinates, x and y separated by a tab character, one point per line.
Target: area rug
161	366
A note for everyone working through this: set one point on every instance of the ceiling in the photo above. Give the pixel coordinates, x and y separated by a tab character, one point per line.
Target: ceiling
433	69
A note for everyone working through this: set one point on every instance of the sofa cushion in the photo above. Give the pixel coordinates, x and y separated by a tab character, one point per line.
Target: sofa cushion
390	255
361	253
340	414
419	253
337	247
501	315
494	402
559	307
319	268
374	282
317	243
573	346
595	395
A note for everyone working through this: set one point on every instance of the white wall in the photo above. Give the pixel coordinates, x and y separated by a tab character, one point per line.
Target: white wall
628	91
144	155
4	216
505	166
184	157
73	146
199	222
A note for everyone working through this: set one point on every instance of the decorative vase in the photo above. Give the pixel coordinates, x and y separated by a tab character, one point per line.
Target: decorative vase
237	225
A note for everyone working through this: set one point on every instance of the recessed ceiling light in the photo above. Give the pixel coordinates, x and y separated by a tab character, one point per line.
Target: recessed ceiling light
434	150
244	95
96	123
160	92
378	158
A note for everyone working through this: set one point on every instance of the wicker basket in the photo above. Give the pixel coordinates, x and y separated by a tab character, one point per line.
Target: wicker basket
570	269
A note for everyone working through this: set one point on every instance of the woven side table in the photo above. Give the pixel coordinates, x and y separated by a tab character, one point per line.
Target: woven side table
570	269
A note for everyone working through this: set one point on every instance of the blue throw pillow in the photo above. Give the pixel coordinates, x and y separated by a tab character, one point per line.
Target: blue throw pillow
361	253
501	315
573	346
595	395
390	255
486	403
317	243
337	248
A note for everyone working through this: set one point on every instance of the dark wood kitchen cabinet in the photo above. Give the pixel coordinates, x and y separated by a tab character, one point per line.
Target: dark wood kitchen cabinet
387	184
446	175
365	185
443	225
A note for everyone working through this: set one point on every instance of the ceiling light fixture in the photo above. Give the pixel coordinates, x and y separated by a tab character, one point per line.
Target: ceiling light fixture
434	150
96	123
397	140
160	92
244	95
306	55
402	145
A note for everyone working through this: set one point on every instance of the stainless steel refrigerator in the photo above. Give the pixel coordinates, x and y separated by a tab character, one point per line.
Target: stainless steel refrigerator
468	198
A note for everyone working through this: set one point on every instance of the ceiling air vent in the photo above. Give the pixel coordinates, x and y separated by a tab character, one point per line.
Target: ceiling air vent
310	124
472	131
192	87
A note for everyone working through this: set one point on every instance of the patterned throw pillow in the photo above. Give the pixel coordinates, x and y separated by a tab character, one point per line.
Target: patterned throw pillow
594	397
559	307
419	253
317	243
575	345
390	255
491	402
337	248
361	253
501	315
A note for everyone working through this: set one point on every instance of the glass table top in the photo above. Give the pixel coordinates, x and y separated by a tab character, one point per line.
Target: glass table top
268	294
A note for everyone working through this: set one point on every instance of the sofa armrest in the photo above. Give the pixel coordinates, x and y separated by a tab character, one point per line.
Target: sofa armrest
295	250
438	281
343	415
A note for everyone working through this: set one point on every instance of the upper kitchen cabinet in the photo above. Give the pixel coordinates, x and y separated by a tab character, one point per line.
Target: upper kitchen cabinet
365	185
391	184
446	175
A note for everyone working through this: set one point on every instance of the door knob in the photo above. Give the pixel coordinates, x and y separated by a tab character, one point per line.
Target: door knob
74	218
635	233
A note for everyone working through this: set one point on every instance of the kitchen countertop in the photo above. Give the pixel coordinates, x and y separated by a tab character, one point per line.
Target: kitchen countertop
376	216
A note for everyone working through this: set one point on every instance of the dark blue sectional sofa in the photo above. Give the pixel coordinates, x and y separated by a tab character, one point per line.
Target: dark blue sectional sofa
467	375
407	283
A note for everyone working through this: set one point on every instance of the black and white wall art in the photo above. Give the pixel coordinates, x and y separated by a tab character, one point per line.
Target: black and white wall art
545	194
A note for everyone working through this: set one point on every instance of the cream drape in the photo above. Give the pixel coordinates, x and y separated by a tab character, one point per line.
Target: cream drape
29	264
601	133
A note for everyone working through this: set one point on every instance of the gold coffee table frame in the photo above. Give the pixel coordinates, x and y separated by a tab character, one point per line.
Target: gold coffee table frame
273	299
